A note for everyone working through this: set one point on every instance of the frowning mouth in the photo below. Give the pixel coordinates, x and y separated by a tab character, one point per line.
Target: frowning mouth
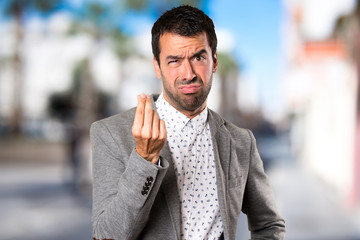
189	89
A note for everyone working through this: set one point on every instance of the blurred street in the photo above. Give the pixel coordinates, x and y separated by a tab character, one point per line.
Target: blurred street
310	208
288	70
36	201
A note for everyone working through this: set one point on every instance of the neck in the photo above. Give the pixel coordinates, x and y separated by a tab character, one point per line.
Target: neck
192	114
189	114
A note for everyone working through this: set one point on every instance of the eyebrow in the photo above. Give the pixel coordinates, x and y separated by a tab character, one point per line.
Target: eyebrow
202	51
172	57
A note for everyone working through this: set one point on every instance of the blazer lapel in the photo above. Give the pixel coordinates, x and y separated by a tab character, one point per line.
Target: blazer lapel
221	144
170	188
222	148
169	184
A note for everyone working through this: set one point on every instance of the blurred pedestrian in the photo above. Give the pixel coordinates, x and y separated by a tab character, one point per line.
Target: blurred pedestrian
171	168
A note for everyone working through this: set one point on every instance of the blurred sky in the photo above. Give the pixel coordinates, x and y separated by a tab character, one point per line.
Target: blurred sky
252	30
257	33
256	29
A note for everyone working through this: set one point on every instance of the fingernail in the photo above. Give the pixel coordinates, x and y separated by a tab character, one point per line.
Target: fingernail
142	95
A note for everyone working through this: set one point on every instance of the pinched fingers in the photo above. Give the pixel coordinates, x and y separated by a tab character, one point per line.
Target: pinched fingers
158	127
148	130
155	126
162	134
148	119
139	115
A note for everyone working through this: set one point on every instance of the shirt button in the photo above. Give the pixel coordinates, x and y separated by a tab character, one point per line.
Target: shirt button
189	186
184	219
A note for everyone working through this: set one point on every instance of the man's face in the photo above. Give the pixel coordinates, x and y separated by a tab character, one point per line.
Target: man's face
186	69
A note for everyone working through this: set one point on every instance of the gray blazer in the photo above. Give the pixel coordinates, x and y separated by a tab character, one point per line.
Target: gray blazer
123	210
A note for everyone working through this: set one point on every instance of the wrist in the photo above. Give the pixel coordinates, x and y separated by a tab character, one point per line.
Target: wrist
148	157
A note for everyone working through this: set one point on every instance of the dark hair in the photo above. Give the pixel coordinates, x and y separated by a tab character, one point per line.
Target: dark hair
185	21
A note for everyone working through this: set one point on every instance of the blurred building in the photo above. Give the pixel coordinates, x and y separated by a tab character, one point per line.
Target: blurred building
69	80
321	87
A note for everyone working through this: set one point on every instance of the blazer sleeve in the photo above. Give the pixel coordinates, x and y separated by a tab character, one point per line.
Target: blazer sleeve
124	186
259	204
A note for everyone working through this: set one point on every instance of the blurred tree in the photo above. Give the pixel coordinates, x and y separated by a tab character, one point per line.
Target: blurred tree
160	6
77	108
101	20
136	4
228	71
347	31
87	102
19	10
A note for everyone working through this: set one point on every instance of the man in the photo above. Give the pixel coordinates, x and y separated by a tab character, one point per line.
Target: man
172	168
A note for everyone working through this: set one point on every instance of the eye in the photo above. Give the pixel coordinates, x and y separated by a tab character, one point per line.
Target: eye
173	61
199	58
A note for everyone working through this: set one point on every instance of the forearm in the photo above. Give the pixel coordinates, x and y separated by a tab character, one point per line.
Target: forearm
264	219
120	206
275	231
259	204
123	212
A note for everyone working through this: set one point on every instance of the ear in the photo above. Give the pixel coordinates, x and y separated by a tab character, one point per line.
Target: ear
215	62
157	68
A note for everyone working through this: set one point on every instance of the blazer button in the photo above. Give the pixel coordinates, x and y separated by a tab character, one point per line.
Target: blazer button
143	192
148	184
150	179
145	188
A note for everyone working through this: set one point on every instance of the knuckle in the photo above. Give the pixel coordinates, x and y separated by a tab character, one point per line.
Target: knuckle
149	112
137	136
162	136
135	131
139	111
146	136
155	136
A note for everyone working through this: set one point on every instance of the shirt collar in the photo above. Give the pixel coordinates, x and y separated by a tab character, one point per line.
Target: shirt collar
176	120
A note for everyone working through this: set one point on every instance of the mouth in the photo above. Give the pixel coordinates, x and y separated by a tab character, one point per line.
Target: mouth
189	89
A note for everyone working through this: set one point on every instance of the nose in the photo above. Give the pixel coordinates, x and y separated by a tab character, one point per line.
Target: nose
188	72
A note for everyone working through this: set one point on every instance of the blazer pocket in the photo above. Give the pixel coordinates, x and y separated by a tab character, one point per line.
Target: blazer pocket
235	182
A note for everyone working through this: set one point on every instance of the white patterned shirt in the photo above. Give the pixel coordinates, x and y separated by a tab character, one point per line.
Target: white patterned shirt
193	157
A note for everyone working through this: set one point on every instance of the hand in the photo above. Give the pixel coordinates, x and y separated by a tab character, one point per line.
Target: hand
148	130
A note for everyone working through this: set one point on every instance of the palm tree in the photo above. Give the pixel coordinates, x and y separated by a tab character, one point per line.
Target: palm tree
101	21
17	9
228	71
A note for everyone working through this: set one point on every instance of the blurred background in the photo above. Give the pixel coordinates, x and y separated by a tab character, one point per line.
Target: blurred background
289	70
